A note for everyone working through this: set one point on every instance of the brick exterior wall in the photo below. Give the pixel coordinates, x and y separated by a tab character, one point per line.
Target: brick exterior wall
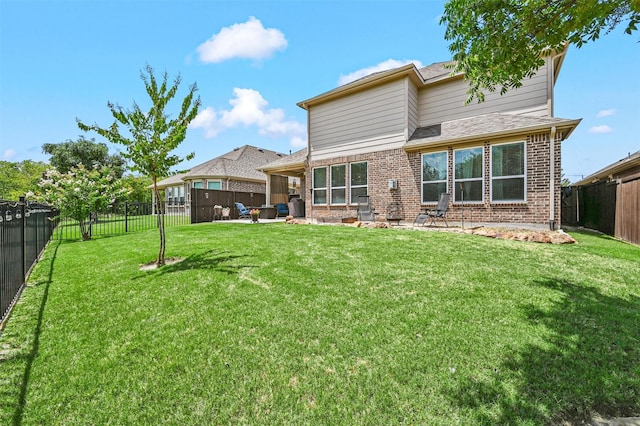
244	186
406	168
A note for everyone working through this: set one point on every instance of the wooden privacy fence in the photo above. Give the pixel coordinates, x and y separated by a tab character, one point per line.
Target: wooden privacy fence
25	230
612	208
627	226
203	200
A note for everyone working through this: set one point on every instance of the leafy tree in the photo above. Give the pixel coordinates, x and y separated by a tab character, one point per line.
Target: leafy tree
69	154
80	192
16	179
151	136
138	187
500	43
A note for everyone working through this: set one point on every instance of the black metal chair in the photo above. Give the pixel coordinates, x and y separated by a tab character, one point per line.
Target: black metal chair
365	212
440	211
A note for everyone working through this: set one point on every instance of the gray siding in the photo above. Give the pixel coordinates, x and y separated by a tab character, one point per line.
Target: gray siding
414	116
364	122
445	101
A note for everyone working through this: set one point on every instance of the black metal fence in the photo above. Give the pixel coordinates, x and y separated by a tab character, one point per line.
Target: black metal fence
120	219
25	230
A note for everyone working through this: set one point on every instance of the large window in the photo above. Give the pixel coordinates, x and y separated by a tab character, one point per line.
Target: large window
359	181
214	184
434	176
468	174
508	172
339	184
320	185
197	184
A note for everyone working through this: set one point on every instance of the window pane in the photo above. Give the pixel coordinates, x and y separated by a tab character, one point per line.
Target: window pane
214	185
319	196
358	174
431	191
507	160
356	192
468	163
508	189
472	191
434	166
338	175
338	196
320	178
197	184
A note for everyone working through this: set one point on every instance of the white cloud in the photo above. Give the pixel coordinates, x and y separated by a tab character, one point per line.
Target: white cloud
249	108
606	113
601	129
9	154
382	66
247	40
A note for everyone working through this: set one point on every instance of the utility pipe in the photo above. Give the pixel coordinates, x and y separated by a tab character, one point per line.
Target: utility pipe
552	178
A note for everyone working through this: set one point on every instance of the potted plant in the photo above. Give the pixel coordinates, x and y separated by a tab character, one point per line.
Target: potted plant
255	214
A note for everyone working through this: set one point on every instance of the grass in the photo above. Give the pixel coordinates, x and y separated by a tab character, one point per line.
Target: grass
282	324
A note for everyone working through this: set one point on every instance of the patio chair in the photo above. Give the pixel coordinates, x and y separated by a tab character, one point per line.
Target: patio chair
243	212
365	212
441	209
282	210
226	213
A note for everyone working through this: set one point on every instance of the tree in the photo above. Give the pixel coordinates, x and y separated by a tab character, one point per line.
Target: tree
138	187
80	192
89	153
16	179
152	136
500	43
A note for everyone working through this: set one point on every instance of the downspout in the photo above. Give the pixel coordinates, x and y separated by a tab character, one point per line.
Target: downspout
552	179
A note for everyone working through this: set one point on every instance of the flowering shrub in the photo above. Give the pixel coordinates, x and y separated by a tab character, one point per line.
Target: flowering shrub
80	192
255	212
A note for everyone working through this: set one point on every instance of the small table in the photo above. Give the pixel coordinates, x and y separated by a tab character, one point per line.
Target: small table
267	212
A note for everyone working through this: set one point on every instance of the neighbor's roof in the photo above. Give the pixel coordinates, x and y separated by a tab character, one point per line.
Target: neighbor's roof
632	160
241	164
170	181
295	161
484	127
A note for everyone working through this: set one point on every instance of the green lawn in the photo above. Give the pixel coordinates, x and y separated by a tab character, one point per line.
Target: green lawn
286	324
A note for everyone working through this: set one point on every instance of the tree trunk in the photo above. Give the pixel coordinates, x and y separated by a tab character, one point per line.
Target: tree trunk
83	230
160	212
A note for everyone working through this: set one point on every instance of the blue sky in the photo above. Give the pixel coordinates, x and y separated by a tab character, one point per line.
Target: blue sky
253	61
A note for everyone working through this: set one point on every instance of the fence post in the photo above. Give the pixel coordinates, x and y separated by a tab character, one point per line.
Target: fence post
126	217
23	231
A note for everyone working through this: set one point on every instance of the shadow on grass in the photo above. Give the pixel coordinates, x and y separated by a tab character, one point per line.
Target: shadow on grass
208	260
588	364
33	352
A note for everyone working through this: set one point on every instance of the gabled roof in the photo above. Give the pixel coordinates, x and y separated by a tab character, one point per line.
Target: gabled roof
482	127
240	164
632	160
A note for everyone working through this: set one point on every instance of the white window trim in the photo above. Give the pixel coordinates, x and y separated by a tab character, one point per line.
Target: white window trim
313	187
338	187
458	181
422	181
491	178
356	186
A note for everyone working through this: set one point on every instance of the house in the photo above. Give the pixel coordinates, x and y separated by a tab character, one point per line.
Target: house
236	170
405	136
609	199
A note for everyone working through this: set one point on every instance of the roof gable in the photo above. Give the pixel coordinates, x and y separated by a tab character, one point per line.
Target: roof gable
242	164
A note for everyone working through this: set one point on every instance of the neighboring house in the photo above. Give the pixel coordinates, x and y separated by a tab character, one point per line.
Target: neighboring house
236	170
609	199
405	135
